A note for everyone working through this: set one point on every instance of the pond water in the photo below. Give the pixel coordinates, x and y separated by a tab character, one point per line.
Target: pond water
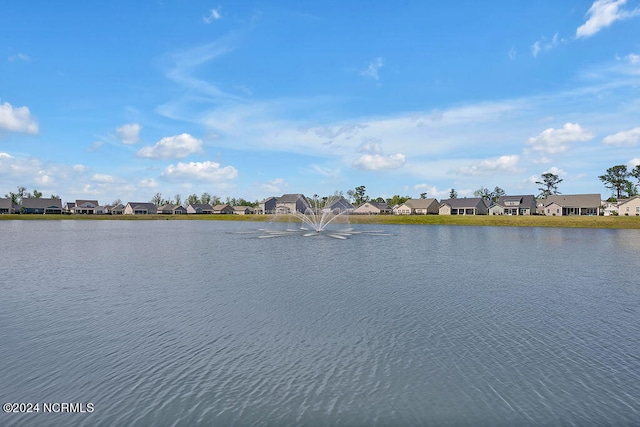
202	322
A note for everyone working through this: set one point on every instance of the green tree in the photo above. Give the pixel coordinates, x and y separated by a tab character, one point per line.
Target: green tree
616	179
192	199
453	194
205	198
17	197
549	184
37	194
423	195
157	199
397	200
635	172
360	196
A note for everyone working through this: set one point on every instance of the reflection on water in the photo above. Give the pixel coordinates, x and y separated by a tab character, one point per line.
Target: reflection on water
190	322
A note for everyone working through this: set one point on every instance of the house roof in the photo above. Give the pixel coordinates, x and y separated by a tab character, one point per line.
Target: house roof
220	207
339	203
6	203
573	200
291	198
471	202
41	203
83	202
625	201
203	206
242	208
526	200
145	205
419	203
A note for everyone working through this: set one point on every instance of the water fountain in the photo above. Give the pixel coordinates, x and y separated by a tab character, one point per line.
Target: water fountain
320	217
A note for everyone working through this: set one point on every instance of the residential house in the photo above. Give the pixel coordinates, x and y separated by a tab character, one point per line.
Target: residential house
571	204
114	210
85	207
140	208
290	203
8	207
69	207
609	208
41	205
267	206
514	205
629	207
465	206
372	208
338	205
243	210
200	208
222	209
171	209
418	207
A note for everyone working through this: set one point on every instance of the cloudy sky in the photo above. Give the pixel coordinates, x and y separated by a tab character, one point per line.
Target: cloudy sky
122	99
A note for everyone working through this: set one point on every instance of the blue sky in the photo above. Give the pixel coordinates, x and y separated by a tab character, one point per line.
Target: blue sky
121	100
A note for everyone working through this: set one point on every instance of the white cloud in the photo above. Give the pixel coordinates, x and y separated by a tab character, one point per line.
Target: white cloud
512	53
80	168
172	147
129	133
19	57
5	156
502	164
102	178
204	171
629	138
379	162
553	141
274	186
634	162
544	45
148	183
555	170
214	15
602	14
432	191
17	119
372	70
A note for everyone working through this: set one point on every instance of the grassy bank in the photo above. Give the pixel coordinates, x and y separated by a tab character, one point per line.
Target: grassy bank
627	222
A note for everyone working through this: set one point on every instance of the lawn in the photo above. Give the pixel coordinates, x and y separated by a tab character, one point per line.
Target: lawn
628	222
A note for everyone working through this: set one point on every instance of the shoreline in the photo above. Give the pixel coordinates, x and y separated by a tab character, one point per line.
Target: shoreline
616	222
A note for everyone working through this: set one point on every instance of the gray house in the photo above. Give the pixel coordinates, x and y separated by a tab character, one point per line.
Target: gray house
466	206
200	208
514	205
267	206
418	207
570	204
339	204
41	205
140	208
171	209
8	207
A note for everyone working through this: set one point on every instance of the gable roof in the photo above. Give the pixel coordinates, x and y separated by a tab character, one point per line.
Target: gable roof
526	200
203	206
574	200
83	202
7	203
291	198
41	203
420	203
144	205
470	202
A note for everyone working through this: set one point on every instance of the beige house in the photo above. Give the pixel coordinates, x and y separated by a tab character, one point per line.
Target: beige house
140	208
629	207
290	203
222	209
172	209
466	206
242	210
418	207
570	204
86	207
372	208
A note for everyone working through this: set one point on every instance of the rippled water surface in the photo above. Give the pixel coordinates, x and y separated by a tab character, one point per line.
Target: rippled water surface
202	322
